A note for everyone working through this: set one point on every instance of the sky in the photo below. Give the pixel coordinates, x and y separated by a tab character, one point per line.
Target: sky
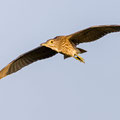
54	88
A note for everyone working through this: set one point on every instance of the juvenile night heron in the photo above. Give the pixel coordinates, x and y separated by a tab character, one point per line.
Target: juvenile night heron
65	45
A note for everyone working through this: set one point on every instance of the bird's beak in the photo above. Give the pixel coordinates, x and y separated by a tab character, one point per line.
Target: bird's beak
43	44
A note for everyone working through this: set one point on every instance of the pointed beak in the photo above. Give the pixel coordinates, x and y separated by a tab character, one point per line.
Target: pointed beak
43	44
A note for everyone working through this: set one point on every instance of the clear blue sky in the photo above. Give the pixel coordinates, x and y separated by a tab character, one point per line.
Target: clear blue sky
58	89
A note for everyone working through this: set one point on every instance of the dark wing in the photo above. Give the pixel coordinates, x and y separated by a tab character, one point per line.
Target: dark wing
26	59
92	33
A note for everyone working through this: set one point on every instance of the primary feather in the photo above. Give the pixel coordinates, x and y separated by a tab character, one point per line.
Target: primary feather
92	33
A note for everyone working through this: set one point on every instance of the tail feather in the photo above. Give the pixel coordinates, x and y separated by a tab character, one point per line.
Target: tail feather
81	50
66	56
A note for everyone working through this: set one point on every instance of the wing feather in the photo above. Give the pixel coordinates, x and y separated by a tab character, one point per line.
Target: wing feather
92	33
26	59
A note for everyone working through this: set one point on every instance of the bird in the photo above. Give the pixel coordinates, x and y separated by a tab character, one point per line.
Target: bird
65	45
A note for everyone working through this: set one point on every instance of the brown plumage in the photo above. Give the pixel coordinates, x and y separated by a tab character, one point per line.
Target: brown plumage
65	45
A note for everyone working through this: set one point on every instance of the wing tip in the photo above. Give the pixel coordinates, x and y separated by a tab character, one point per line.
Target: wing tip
4	71
2	75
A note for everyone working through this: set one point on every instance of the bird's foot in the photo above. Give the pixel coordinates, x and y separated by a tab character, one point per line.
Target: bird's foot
79	58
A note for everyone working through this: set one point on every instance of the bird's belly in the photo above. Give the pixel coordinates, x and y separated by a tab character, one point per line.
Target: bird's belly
69	51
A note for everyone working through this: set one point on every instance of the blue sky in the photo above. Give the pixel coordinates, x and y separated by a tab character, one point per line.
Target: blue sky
58	89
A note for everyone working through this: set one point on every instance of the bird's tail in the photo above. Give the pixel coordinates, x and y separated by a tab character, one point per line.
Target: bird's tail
81	50
66	56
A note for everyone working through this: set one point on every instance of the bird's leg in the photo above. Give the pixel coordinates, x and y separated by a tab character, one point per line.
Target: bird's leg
79	58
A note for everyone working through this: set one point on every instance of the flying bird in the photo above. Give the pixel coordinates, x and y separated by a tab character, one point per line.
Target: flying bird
65	45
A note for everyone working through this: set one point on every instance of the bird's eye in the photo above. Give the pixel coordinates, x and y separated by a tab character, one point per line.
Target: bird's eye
51	41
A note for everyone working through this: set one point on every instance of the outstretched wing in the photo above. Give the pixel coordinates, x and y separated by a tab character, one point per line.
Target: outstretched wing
26	59
92	33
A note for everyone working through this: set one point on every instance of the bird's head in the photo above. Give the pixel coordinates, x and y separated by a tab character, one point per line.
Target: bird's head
53	43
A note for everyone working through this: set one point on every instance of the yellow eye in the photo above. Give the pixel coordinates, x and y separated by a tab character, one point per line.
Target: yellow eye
51	41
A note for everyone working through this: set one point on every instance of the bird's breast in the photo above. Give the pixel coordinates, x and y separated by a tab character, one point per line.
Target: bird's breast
67	49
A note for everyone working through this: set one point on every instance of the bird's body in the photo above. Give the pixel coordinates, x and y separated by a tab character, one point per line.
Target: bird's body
65	45
62	45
